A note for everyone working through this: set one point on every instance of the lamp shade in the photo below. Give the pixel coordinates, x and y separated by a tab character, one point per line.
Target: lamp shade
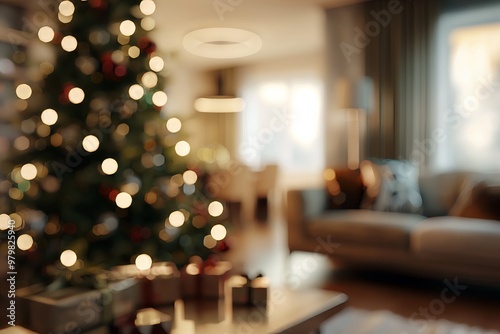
355	95
219	104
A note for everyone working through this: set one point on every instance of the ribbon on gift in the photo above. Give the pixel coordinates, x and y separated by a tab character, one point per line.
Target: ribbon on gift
249	291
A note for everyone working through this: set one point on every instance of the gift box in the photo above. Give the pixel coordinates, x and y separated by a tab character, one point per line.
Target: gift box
65	310
22	303
204	280
245	291
124	296
159	285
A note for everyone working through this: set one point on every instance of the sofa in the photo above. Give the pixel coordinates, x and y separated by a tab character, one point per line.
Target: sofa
430	244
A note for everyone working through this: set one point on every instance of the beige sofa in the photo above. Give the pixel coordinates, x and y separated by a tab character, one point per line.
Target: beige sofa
431	245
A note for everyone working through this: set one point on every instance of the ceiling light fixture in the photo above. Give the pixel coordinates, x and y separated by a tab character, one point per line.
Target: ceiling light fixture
222	43
222	102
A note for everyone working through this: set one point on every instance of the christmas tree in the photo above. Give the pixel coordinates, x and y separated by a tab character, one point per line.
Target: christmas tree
97	175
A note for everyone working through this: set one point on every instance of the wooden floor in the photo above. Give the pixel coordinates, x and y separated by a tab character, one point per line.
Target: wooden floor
261	248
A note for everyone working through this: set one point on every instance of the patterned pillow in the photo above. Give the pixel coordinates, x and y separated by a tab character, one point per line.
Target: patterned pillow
391	185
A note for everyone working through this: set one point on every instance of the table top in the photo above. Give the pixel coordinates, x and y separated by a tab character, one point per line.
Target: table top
287	311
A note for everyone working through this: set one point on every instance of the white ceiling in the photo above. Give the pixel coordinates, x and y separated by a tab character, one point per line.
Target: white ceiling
287	27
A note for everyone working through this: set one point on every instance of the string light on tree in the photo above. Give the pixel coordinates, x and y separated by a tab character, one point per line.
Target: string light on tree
68	258
176	219
69	43
90	143
23	91
127	28
109	166
174	125
134	52
123	200
76	95
29	172
160	99
25	242
218	232
215	209
189	177
182	148
149	79
66	8
148	23
136	92
147	7
156	64
143	262
46	34
209	242
49	117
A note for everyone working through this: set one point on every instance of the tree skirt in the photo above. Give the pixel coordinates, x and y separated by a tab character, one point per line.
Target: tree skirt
355	321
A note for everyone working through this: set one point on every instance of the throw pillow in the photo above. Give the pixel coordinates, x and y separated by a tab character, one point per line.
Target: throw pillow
391	185
480	198
345	188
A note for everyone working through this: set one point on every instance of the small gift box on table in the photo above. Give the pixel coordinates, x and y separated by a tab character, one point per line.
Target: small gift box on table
246	291
204	280
65	310
159	285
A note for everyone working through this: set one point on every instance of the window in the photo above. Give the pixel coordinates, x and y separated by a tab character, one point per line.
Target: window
468	117
282	125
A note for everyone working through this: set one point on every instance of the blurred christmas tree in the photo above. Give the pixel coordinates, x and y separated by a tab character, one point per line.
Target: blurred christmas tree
98	176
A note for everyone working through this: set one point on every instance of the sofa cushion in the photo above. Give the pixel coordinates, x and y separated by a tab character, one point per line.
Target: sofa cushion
386	229
479	198
440	191
391	185
457	238
345	188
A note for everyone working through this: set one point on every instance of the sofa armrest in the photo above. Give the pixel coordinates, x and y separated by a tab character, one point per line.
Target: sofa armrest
301	205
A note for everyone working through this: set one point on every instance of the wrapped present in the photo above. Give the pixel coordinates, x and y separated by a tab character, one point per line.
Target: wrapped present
246	291
124	296
159	285
240	289
147	320
259	288
190	280
22	310
204	279
65	310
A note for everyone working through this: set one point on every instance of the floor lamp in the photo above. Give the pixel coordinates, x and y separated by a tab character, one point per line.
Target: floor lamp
355	98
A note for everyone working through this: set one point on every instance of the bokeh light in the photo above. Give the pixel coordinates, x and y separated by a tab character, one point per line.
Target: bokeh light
190	177
136	92
23	91
24	242
215	209
176	219
156	64
29	172
148	23
182	148
66	8
218	232
147	7
209	242
127	28
134	52
149	79
49	117
123	200
90	143
76	95
143	262
68	258
69	43
174	125
46	34
109	166
160	99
